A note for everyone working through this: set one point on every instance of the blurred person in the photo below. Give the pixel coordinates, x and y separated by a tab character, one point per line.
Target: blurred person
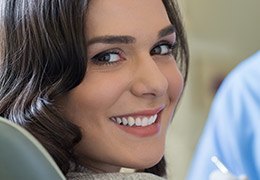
232	129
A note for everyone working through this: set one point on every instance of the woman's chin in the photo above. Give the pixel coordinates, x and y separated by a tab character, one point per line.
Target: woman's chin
144	163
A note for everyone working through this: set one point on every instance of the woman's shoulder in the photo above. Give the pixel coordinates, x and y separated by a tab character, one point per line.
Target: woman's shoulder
112	176
82	173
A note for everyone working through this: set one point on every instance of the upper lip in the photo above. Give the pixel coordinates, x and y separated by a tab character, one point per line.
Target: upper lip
147	112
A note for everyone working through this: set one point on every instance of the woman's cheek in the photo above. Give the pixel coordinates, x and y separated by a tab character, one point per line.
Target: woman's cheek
175	81
105	88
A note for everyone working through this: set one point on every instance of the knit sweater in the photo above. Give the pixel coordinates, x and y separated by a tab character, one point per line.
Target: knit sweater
86	174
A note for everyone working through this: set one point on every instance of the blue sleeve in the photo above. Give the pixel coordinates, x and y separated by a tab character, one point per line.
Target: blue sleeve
232	130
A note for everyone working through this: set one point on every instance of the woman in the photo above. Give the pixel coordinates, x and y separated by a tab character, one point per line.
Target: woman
96	82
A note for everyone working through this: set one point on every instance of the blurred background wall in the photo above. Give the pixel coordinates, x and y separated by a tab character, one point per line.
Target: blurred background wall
221	33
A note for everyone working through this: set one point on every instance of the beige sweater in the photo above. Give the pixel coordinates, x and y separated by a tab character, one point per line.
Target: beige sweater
87	174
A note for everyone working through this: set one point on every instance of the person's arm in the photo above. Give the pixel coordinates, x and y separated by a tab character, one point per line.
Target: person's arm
232	130
221	133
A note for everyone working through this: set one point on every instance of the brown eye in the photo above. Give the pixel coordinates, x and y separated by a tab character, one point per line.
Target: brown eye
107	57
163	48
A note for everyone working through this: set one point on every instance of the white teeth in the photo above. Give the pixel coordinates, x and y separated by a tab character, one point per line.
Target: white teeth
125	122
118	120
154	118
144	121
138	121
131	121
150	120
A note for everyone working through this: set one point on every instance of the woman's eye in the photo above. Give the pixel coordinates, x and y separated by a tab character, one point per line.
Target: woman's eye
162	49
107	57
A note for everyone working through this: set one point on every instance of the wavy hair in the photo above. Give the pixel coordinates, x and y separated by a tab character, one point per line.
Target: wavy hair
42	57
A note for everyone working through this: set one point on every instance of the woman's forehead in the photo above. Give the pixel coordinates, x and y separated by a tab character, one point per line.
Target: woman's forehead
109	17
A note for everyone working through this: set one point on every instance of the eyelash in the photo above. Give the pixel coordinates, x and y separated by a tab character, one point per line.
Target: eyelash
171	47
98	59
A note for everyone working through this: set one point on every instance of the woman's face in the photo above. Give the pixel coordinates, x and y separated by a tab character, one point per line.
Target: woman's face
126	101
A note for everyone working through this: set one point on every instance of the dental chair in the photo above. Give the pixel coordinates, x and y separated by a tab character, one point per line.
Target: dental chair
22	157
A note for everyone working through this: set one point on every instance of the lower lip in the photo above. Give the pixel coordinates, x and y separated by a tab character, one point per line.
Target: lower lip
143	131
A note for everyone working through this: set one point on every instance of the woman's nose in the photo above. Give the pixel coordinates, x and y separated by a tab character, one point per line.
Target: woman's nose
149	79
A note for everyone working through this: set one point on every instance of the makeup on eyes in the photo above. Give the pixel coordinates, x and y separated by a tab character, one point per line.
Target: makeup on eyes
115	49
164	47
116	55
108	57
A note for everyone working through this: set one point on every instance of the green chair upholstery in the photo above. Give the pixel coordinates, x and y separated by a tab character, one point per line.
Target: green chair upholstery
22	157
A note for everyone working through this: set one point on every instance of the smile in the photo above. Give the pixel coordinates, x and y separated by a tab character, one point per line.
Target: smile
141	124
135	121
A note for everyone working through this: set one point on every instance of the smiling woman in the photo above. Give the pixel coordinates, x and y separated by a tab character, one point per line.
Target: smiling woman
96	82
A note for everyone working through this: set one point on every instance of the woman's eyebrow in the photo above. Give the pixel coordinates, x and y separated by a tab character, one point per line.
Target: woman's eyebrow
112	39
166	31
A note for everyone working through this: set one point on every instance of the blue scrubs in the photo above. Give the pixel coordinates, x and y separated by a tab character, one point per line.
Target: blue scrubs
232	132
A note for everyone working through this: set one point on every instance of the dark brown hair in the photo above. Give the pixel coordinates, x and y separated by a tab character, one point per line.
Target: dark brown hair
42	51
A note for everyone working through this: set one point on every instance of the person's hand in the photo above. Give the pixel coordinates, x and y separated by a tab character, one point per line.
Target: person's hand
217	175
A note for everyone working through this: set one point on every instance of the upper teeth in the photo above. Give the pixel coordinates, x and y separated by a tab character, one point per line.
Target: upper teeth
135	121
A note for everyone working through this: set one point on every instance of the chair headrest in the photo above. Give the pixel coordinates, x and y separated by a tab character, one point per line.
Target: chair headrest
23	157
